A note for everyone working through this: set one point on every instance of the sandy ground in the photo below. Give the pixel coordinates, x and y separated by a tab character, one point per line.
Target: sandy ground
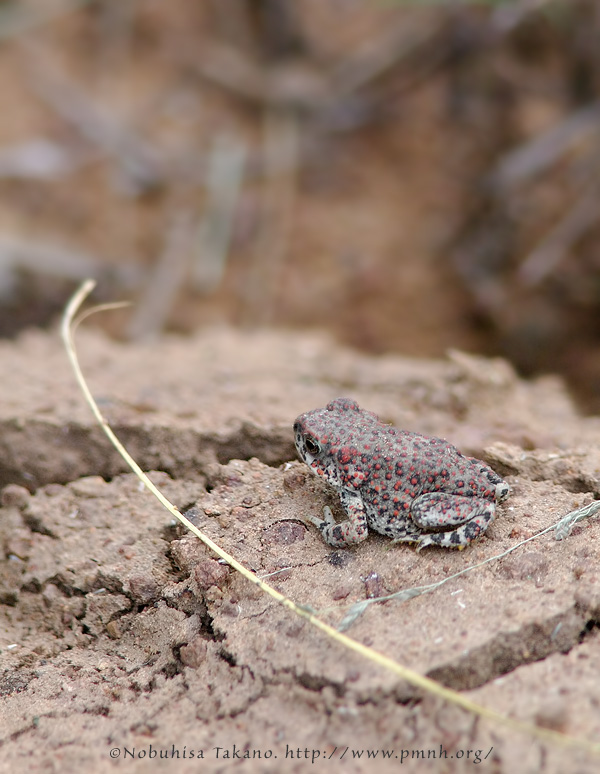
126	645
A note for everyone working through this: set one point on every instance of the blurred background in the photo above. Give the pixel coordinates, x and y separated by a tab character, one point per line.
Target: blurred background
410	176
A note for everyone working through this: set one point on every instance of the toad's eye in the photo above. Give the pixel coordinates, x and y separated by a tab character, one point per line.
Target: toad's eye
312	447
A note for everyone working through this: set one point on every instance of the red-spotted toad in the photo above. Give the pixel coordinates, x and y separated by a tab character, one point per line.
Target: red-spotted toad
407	486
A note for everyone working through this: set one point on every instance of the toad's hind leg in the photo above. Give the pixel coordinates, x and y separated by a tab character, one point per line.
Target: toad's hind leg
345	533
441	512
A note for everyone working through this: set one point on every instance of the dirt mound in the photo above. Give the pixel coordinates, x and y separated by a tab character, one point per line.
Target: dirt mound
124	638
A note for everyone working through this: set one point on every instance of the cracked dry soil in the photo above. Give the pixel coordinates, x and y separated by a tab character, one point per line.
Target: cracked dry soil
119	630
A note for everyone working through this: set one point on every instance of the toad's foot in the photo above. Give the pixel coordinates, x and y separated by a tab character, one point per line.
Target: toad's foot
345	533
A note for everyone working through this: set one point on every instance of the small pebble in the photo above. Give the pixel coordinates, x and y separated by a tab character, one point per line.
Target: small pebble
194	653
242	514
14	495
143	587
187	552
294	481
373	587
90	486
210	573
341	592
113	629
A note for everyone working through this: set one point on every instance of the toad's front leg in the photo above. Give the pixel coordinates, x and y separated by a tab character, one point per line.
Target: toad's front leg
346	533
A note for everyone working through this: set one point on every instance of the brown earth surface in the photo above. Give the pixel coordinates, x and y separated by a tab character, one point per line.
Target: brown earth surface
122	632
